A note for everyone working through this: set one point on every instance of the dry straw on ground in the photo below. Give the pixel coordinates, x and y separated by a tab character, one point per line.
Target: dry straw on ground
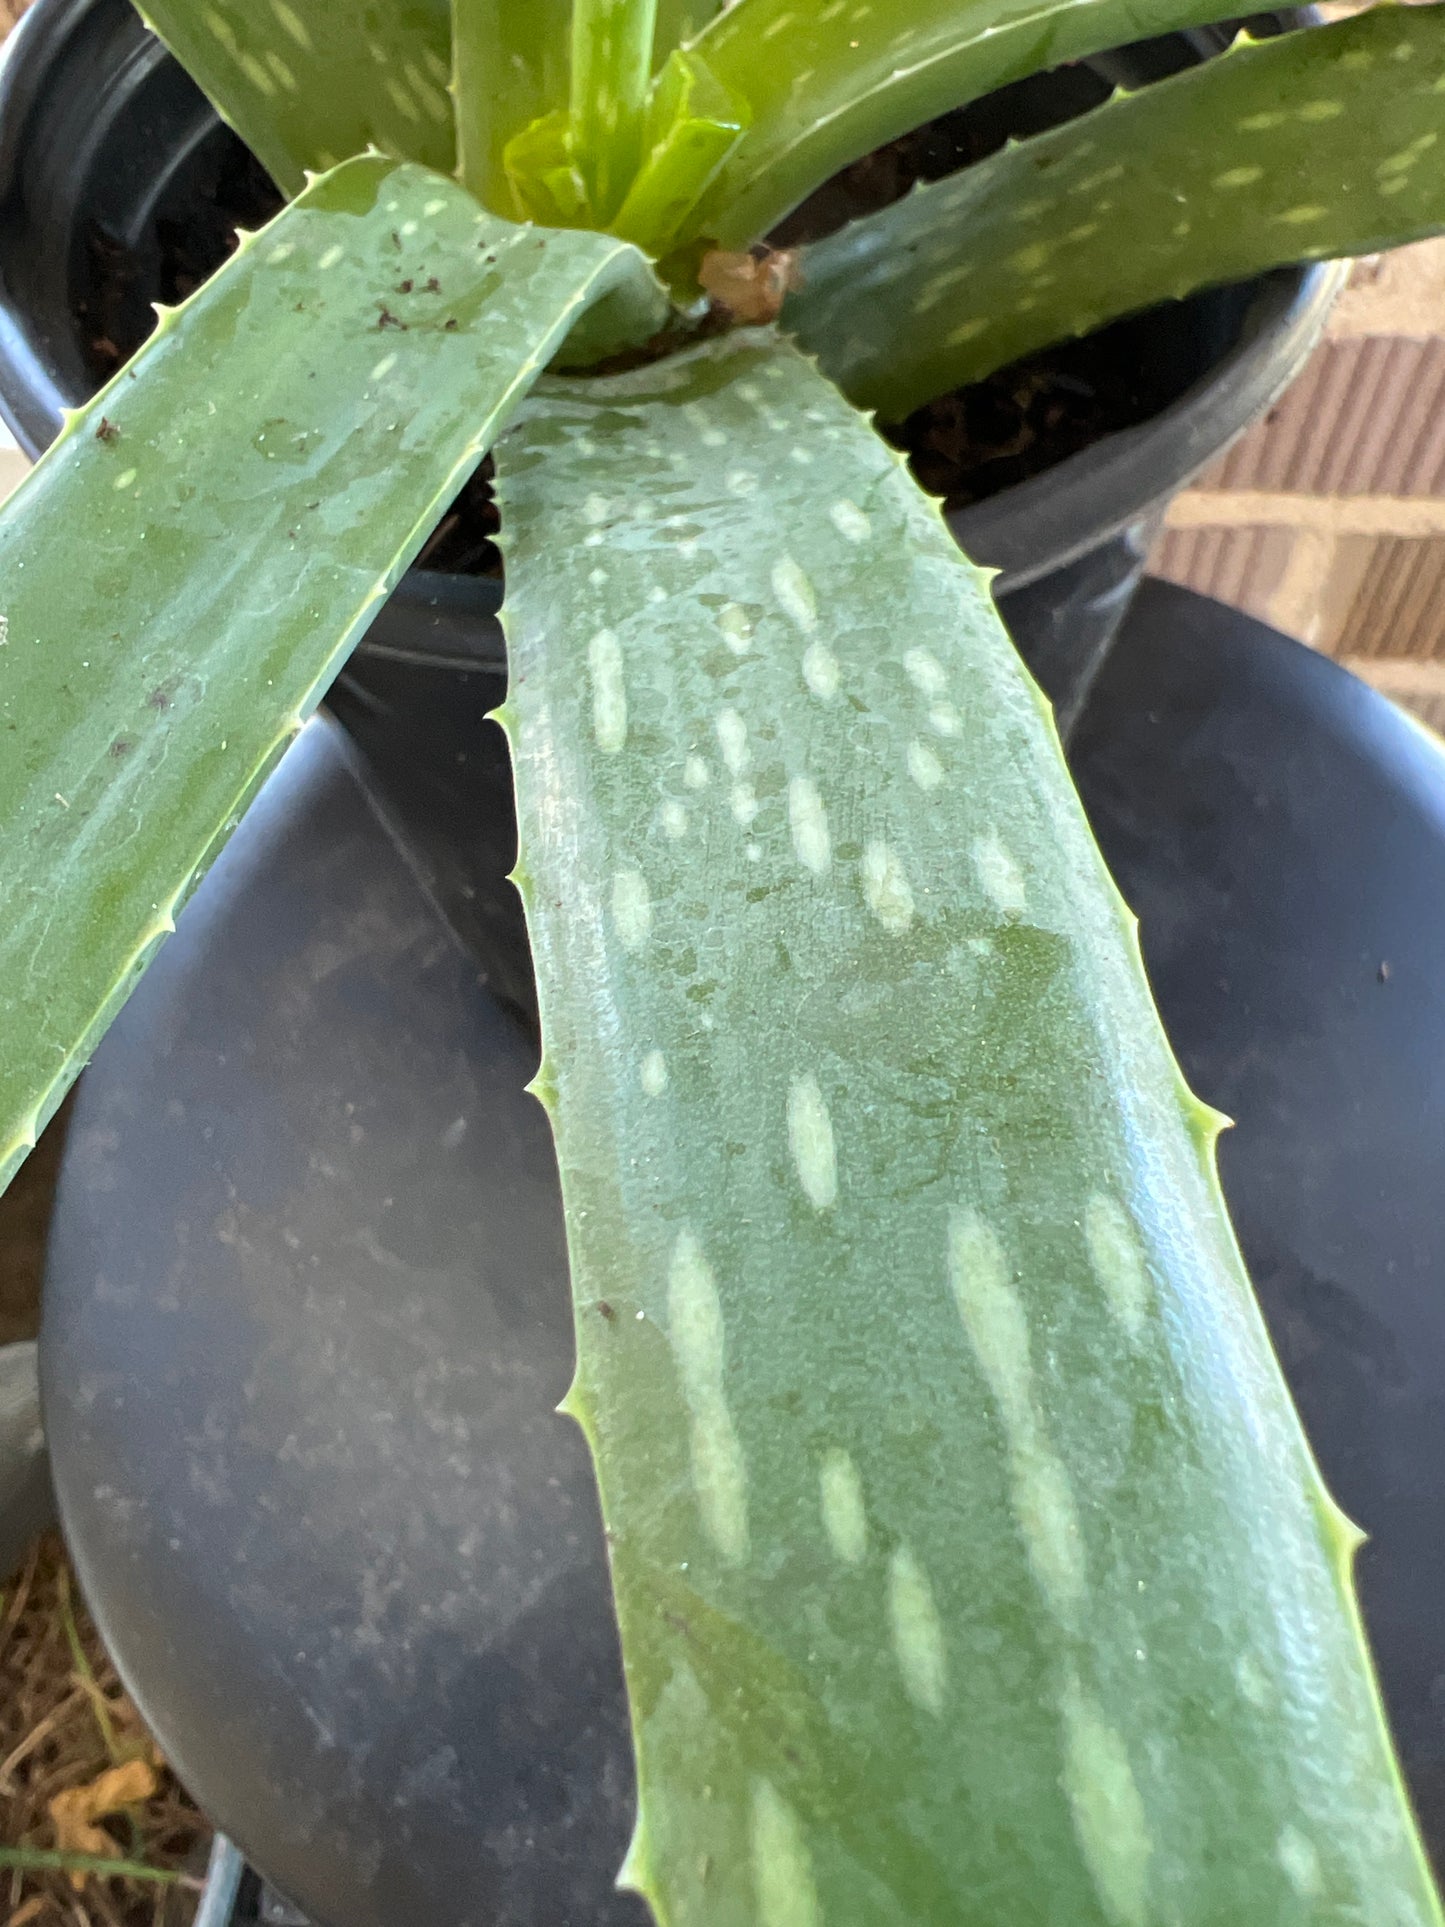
81	1783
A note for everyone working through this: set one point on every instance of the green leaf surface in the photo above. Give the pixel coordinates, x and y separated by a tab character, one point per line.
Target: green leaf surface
829	82
1314	145
183	573
308	83
970	1563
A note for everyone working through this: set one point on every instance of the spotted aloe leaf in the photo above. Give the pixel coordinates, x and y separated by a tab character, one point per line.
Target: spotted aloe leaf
970	1562
309	83
827	83
1334	148
185	570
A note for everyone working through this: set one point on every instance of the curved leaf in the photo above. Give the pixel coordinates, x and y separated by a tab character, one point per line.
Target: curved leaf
827	83
970	1562
513	67
309	83
1335	148
184	572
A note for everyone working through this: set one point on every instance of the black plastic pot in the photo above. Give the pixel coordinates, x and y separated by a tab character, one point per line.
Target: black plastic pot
105	143
306	1309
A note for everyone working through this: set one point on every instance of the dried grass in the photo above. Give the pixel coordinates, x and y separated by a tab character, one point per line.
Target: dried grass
66	1725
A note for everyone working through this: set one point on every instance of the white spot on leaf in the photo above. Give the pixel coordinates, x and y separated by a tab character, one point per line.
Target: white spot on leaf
810	1138
925	672
844	1519
631	908
1300	1861
732	736
695	1332
1000	876
917	1632
886	888
1118	1260
782	1869
1252	1680
654	1074
1109	1819
795	593
743	804
292	23
809	822
820	670
850	521
924	767
997	1328
737	628
609	692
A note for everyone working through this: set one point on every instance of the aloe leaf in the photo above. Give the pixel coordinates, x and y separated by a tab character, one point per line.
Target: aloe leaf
309	83
692	127
827	83
611	77
679	20
1331	146
969	1559
185	570
512	69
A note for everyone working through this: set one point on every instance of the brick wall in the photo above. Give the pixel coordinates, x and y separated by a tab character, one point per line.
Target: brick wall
1328	518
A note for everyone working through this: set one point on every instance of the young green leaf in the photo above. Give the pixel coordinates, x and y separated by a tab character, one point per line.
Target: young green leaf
679	20
970	1562
182	574
308	83
1312	145
828	83
692	127
512	69
611	78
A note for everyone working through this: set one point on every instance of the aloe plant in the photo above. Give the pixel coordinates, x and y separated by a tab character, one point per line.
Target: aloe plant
969	1560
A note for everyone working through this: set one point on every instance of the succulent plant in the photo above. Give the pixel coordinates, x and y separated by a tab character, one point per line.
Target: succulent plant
969	1559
